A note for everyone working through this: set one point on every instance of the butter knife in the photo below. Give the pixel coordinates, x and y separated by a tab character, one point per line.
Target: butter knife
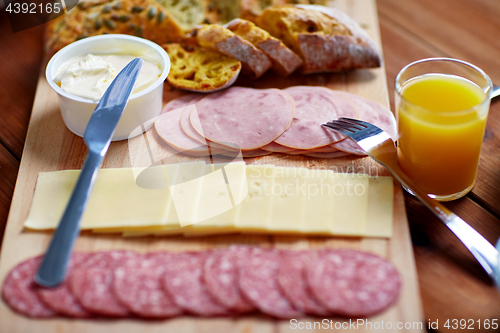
97	137
497	269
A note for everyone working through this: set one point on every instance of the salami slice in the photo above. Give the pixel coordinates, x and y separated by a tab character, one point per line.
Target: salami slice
91	283
314	106
60	299
244	117
293	281
19	290
353	283
221	277
259	284
183	280
137	285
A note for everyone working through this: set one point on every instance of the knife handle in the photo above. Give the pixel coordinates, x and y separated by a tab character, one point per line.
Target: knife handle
55	262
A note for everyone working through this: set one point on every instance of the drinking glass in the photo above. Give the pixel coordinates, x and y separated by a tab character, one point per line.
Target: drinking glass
441	109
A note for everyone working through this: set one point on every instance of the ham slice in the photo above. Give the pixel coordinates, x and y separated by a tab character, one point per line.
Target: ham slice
371	112
187	128
181	102
349	146
169	129
277	148
325	149
191	132
374	113
258	122
333	154
255	153
243	117
314	106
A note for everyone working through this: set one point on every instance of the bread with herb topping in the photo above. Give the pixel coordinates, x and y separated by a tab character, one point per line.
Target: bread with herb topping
255	63
143	18
325	38
199	69
188	13
250	9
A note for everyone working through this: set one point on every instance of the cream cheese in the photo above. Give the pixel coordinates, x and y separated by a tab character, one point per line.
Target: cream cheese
89	76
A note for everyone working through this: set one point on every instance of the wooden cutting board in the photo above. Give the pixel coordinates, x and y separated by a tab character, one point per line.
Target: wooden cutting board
51	146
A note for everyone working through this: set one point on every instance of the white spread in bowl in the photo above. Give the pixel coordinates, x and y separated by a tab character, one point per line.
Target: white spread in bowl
89	76
80	73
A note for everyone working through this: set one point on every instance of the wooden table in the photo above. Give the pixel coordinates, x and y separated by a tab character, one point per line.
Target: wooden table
452	284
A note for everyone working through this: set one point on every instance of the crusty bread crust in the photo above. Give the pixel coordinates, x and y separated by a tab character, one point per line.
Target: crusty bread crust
285	61
255	63
335	53
325	38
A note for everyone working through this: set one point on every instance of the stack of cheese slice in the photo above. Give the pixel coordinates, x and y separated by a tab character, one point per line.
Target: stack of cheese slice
197	199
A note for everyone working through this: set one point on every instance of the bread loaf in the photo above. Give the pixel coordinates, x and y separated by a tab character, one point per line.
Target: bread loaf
198	69
250	9
255	63
188	13
285	61
325	38
143	18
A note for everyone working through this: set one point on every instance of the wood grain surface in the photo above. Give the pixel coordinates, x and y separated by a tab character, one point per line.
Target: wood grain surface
452	284
51	146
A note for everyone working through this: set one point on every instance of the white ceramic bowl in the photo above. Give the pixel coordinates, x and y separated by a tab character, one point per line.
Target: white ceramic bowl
143	107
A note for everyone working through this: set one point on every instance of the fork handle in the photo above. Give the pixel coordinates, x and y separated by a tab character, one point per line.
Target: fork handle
481	249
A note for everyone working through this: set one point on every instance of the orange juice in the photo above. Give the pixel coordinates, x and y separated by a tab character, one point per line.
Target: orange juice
441	123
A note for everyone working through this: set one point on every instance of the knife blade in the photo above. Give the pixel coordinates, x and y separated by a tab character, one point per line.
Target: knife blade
97	137
497	268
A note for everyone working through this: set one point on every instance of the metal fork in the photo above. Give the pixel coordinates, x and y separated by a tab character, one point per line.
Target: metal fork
379	146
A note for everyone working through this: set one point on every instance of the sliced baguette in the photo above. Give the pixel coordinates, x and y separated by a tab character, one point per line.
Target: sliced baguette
255	63
285	61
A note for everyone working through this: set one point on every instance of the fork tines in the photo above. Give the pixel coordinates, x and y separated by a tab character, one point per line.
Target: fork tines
346	124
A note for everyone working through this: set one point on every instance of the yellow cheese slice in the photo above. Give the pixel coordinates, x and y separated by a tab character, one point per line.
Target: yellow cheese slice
236	176
350	204
380	207
171	172
218	199
255	209
289	193
186	191
215	197
173	231
112	203
318	208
